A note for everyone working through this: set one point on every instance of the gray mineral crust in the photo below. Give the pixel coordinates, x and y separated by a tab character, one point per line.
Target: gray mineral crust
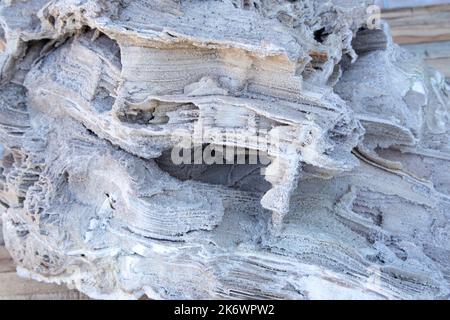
221	149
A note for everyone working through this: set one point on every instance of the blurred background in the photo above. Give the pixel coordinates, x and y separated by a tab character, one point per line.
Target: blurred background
423	27
409	3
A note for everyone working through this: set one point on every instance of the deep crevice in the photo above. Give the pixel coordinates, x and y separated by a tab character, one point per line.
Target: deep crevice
321	35
243	177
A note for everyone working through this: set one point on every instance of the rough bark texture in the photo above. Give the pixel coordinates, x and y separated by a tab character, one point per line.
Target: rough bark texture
353	201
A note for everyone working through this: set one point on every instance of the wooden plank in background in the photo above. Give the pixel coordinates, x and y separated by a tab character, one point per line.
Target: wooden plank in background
15	288
419	25
425	31
435	54
408	3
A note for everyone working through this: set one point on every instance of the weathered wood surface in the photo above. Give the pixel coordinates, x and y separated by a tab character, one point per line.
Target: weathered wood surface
424	31
12	287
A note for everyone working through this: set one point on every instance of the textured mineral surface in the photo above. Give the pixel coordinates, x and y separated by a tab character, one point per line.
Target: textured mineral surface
221	149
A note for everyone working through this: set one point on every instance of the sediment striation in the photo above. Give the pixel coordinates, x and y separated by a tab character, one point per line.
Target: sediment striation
349	196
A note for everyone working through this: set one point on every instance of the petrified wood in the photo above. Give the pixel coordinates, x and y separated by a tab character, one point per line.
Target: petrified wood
343	190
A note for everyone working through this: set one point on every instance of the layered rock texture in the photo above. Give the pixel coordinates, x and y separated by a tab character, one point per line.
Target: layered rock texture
349	196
